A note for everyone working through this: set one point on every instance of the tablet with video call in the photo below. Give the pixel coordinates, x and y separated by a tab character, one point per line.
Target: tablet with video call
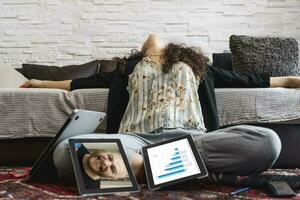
101	166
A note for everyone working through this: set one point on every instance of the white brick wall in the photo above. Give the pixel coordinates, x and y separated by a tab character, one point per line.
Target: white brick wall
75	31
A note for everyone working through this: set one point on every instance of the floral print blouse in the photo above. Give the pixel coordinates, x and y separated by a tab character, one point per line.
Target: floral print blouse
160	100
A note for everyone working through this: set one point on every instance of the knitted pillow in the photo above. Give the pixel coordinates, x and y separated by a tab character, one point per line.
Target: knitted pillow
273	55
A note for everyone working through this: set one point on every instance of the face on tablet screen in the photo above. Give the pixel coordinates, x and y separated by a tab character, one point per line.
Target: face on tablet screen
102	165
108	165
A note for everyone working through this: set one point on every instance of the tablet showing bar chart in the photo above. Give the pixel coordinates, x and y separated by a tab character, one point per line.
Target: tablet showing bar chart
172	161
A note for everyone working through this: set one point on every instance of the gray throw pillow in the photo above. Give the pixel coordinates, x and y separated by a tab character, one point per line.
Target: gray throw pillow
55	73
272	55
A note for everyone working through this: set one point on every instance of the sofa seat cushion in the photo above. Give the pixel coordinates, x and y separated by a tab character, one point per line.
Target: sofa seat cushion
258	105
41	112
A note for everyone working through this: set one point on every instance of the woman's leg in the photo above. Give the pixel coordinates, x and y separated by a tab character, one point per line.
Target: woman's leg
239	150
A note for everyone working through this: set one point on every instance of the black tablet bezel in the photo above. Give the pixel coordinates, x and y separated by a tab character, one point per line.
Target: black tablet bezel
86	191
203	171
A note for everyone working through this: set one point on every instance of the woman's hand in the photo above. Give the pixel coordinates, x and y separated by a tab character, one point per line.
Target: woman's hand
33	83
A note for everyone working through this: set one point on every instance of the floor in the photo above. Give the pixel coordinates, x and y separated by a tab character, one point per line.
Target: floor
16	188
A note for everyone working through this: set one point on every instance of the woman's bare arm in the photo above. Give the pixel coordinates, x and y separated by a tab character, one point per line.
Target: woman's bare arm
285	81
34	83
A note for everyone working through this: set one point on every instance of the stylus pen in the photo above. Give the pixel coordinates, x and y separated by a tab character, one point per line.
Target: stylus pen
246	189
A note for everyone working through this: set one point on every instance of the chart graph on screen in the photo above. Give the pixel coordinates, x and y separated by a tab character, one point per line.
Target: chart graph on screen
172	161
178	164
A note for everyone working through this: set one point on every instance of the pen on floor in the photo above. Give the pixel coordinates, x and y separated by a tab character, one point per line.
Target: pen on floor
241	190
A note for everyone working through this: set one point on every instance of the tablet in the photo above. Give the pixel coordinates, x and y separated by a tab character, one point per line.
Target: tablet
101	166
80	122
171	162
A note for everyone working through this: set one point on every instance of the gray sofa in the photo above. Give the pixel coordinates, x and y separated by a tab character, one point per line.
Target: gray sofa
29	118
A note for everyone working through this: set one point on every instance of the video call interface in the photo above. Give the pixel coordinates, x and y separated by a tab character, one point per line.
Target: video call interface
106	150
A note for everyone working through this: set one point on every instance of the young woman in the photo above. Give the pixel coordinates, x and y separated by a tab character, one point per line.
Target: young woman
170	93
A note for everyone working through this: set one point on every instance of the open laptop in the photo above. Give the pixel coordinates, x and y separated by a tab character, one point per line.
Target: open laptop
171	162
101	166
79	122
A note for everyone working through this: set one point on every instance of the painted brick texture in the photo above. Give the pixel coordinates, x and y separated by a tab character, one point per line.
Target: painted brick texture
74	31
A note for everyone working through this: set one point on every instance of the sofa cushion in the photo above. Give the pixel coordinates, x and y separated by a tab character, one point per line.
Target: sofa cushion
257	105
108	65
55	73
42	112
20	70
10	78
273	55
222	60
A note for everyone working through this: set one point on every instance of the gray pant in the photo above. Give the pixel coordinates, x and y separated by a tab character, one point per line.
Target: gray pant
236	150
239	150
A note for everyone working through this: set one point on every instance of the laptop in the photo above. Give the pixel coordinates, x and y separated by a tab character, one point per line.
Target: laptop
79	122
101	166
172	162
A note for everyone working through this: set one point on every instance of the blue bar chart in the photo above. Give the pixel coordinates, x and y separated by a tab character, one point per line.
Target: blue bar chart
176	165
172	161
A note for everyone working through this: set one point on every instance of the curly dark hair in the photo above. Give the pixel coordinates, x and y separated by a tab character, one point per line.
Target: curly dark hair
175	53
